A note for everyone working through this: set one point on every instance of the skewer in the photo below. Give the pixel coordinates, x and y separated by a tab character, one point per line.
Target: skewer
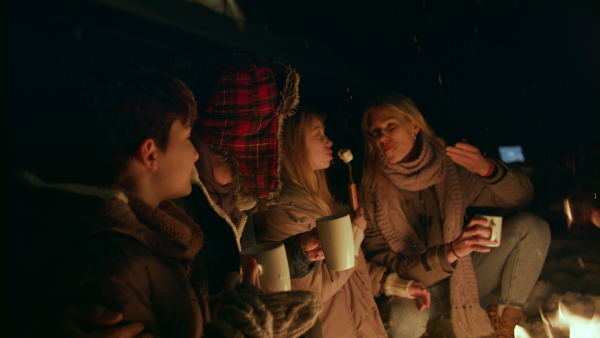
346	156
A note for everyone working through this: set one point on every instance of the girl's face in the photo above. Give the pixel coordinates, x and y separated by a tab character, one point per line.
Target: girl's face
393	134
318	145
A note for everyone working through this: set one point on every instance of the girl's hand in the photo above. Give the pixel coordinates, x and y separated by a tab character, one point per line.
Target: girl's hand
473	238
311	245
417	290
250	271
469	157
358	219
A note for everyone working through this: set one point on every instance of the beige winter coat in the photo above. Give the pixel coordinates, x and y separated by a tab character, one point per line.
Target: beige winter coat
349	308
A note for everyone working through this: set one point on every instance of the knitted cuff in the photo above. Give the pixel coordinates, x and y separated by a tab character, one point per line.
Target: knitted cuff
500	170
396	286
358	235
299	264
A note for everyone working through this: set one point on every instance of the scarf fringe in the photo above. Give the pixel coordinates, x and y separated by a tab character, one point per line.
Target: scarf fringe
470	321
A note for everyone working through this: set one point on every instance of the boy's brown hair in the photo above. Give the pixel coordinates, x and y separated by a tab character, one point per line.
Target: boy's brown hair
109	117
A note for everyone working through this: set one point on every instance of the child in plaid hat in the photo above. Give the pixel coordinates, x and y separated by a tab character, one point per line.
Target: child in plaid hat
242	102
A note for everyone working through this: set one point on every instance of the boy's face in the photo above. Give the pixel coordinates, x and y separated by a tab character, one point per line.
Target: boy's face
176	162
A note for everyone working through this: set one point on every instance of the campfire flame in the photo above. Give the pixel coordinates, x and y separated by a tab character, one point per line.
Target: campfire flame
520	332
579	326
581	212
578	321
568	213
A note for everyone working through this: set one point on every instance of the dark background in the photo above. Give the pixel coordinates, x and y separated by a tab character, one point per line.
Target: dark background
495	72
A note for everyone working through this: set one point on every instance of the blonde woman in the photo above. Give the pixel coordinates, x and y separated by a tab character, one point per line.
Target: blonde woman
349	308
416	192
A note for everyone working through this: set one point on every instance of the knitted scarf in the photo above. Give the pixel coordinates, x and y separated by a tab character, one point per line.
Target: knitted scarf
432	167
169	220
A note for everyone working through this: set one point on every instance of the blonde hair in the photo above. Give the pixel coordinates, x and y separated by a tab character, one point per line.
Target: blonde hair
297	163
405	110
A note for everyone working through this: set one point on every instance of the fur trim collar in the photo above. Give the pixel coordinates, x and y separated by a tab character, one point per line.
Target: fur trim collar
237	225
80	189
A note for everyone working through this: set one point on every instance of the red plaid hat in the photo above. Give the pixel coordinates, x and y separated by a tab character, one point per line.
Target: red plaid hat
243	118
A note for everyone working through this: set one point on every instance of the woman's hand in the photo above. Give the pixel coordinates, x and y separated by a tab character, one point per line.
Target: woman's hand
473	238
358	218
417	290
311	245
469	157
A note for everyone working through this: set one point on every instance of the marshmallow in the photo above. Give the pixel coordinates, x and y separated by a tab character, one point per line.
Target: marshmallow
345	155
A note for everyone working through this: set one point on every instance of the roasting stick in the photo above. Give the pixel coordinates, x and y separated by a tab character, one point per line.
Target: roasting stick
346	156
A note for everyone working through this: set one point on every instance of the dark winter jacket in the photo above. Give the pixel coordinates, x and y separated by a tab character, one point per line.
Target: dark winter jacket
83	245
227	235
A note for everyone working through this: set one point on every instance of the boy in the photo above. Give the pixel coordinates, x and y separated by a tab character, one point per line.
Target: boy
101	230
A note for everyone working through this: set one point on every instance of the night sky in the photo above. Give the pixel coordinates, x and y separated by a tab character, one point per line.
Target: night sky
495	72
492	71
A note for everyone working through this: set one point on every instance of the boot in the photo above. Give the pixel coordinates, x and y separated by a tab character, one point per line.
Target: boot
492	312
504	325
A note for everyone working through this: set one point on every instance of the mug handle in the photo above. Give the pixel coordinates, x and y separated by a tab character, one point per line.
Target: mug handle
492	225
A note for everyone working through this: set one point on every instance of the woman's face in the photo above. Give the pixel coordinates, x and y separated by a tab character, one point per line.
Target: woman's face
319	146
393	134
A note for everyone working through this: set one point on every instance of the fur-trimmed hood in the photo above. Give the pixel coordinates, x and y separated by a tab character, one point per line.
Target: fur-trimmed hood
242	107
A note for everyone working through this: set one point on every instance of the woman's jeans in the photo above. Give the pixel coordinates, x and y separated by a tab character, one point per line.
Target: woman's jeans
513	268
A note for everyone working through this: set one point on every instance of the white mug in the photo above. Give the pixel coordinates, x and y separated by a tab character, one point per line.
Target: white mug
337	241
494	223
273	268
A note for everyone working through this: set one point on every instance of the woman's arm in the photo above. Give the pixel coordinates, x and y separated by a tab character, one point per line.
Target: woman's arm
428	267
507	187
489	182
